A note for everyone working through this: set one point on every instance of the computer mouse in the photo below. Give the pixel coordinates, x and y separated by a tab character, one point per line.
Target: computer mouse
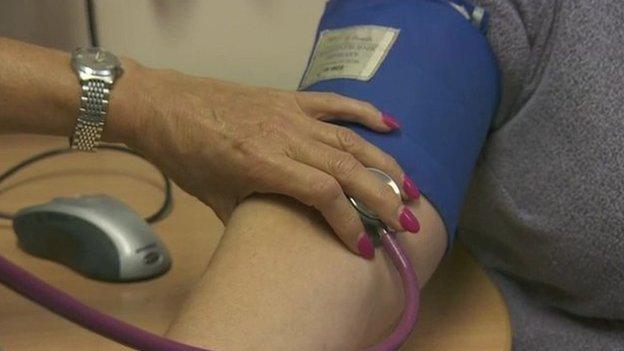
95	235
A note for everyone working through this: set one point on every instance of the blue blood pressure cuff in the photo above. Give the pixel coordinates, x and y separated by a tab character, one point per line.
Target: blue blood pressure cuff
425	62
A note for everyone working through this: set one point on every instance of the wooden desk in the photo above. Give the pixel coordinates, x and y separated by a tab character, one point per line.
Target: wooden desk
462	310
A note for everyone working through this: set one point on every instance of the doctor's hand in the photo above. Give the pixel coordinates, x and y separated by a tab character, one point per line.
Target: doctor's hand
222	142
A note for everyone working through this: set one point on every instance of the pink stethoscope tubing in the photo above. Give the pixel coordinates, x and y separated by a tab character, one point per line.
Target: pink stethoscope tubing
63	304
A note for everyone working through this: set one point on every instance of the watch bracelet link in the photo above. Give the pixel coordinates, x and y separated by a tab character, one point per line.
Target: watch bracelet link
92	116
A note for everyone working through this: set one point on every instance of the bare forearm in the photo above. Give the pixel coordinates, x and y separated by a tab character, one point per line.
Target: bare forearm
281	281
40	94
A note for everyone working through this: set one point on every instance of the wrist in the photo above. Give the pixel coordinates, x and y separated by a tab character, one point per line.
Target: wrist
151	103
129	104
49	102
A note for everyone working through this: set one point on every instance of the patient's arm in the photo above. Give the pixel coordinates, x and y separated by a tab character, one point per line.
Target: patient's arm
280	280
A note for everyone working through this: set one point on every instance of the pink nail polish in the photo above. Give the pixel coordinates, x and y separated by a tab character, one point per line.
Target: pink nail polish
390	121
408	220
365	246
410	188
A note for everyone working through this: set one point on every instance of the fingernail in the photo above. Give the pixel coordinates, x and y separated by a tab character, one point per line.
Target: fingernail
408	220
365	246
390	121
410	188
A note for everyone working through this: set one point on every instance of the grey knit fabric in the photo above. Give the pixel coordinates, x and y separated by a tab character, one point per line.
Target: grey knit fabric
545	211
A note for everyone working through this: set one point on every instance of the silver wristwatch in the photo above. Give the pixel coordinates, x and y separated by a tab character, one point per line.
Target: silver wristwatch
97	70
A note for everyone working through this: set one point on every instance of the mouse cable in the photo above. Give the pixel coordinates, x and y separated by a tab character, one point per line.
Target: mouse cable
155	217
92	24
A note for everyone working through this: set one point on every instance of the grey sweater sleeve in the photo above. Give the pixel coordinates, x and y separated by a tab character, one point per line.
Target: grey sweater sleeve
513	30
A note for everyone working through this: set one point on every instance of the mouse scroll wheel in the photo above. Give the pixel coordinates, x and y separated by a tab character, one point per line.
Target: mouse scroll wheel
151	257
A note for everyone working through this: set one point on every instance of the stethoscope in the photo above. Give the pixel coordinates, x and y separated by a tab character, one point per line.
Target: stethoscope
61	303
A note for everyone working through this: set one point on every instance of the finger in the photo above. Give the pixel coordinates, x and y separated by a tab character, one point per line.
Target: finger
331	106
359	182
368	154
319	190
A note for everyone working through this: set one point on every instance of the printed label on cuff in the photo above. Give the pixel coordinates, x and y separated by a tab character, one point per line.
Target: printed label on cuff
351	52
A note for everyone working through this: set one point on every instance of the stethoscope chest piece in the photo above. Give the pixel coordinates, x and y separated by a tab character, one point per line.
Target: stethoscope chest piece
370	219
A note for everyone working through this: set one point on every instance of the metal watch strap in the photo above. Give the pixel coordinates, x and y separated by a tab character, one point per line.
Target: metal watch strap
93	109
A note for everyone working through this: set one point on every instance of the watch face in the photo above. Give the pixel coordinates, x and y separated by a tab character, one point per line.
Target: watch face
95	61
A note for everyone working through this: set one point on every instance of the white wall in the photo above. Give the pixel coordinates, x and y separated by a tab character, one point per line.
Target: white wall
55	23
260	42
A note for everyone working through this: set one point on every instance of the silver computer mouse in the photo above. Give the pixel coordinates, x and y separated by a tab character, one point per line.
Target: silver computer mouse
96	235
